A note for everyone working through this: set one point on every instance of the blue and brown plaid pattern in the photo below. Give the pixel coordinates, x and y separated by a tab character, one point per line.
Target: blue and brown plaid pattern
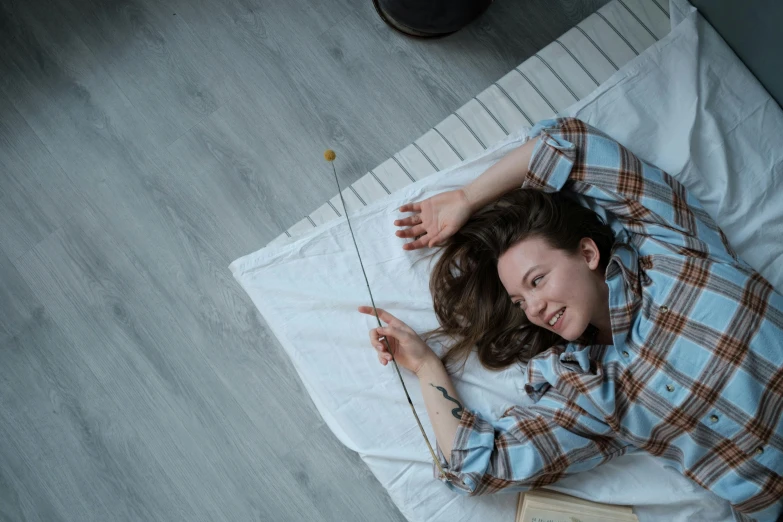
695	374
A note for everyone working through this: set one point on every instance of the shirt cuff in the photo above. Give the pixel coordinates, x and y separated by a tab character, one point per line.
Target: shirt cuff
552	159
455	478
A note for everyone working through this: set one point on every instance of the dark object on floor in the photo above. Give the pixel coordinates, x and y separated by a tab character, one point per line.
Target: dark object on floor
429	18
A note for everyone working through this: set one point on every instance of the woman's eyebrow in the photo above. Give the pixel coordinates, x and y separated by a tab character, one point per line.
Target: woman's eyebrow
525	277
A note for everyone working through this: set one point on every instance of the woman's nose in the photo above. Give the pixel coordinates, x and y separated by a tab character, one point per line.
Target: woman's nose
535	307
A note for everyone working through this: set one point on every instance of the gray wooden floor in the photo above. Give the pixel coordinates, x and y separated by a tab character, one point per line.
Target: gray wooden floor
146	144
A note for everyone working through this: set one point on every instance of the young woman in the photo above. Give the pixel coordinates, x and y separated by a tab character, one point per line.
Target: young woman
640	327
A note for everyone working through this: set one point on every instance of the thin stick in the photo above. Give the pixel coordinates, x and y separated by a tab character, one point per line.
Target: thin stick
385	340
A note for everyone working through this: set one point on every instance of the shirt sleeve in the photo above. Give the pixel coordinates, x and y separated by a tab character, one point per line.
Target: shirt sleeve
527	447
571	155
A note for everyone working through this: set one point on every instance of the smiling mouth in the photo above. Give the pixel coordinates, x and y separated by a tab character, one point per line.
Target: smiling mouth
556	319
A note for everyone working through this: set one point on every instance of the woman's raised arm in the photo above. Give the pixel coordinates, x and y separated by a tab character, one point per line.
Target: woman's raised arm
439	217
504	176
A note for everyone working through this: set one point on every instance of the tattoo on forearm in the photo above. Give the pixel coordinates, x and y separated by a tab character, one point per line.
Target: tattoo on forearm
457	412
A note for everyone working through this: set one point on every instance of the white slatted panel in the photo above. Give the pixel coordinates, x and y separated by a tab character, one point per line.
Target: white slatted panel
414	162
369	189
392	175
464	139
503	107
586	53
575	76
485	124
352	202
621	19
525	96
604	37
550	86
323	214
437	150
652	15
564	71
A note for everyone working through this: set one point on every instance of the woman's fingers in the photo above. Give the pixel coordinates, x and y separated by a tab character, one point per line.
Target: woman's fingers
417	243
377	339
383	315
412	232
408	221
389	332
393	332
369	311
411	207
374	339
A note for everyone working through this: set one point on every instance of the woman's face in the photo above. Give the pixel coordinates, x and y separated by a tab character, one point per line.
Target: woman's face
559	291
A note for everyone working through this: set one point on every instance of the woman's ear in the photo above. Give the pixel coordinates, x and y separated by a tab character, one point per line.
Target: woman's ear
590	253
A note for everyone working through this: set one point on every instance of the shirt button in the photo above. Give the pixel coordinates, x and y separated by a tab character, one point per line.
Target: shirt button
669	387
759	450
664	309
626	354
713	418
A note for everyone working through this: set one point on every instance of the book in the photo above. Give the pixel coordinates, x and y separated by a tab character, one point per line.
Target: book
543	505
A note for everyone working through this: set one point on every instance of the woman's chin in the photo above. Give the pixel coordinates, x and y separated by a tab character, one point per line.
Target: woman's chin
569	332
567	336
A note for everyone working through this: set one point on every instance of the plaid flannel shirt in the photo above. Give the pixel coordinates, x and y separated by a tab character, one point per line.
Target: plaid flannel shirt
695	374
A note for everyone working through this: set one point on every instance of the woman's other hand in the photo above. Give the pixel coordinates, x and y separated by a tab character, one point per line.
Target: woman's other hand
435	219
410	351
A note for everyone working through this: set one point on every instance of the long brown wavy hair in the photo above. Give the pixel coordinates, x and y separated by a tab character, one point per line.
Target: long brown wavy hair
473	308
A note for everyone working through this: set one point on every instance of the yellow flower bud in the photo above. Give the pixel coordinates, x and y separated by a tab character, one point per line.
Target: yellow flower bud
329	155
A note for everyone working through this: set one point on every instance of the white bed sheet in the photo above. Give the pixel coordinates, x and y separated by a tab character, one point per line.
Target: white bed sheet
687	105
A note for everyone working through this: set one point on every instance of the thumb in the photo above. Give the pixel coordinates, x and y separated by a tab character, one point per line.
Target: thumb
390	331
437	239
384	331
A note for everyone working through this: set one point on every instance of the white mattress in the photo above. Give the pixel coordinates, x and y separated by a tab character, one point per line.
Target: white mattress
686	104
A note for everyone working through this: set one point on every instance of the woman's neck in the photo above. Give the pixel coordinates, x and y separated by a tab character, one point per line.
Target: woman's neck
604	337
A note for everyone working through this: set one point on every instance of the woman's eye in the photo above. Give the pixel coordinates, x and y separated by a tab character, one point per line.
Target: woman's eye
536	280
518	304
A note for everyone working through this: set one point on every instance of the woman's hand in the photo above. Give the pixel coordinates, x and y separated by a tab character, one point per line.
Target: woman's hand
435	219
410	351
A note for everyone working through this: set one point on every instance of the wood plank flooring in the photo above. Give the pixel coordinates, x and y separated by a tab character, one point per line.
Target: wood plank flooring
146	144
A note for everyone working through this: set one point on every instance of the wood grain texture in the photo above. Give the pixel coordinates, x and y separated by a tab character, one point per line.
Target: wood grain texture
345	493
143	146
36	196
156	60
209	439
17	302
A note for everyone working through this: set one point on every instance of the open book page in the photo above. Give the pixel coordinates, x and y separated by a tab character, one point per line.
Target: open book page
540	514
546	495
557	507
